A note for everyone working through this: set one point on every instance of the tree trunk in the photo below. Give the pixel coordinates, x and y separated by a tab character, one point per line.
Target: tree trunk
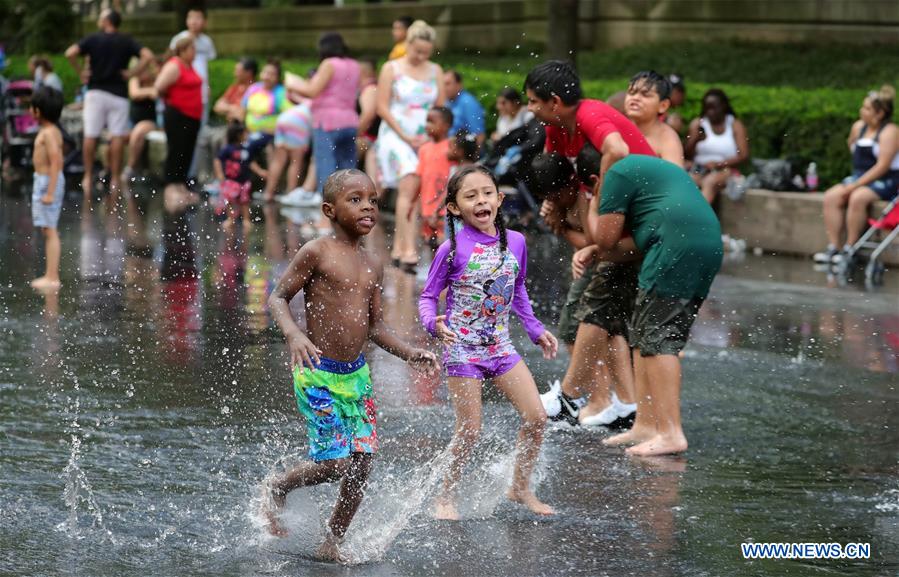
561	32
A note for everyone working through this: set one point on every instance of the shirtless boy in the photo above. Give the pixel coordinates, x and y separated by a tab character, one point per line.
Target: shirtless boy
49	182
648	98
341	282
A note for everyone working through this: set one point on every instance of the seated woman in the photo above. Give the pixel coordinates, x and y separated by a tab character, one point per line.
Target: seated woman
512	114
716	143
263	101
142	113
874	143
229	104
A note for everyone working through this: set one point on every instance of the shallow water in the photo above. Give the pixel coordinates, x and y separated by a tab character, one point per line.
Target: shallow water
140	410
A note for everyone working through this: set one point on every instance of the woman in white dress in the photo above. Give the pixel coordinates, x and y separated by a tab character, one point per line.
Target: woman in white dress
407	88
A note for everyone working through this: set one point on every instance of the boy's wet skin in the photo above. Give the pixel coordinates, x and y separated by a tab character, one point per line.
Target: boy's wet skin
342	286
339	278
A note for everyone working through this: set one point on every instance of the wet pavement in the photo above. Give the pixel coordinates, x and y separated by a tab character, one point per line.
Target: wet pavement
142	405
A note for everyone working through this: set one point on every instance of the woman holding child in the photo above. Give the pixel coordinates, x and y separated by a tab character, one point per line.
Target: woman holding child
407	88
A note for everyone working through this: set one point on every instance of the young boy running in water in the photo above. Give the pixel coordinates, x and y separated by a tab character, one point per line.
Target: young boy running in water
342	285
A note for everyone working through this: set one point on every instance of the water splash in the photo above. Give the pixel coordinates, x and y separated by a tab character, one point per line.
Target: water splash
78	494
398	500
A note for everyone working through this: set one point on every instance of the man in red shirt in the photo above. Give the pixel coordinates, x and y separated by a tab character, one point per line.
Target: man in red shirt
600	349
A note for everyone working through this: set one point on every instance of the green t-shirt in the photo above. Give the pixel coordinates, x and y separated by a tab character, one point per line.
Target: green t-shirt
673	225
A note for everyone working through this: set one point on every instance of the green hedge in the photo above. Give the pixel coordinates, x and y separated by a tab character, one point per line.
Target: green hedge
789	122
801	125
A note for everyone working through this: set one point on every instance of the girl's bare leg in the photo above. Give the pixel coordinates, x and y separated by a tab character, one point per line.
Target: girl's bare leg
295	167
857	213
519	387
465	395
275	169
622	369
137	140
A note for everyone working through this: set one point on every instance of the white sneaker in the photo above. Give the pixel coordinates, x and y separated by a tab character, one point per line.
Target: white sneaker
301	197
552	404
624	409
605	417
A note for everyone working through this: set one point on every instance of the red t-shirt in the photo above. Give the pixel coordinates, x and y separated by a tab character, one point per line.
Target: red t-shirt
234	94
595	121
186	95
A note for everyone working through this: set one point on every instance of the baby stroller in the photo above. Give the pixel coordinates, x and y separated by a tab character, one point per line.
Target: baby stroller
18	125
510	160
886	229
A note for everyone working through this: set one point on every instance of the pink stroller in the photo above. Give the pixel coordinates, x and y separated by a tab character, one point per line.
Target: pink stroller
19	126
879	236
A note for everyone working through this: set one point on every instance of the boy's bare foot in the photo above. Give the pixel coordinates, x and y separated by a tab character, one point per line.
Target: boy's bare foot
660	445
228	224
530	500
272	502
632	437
445	509
45	283
86	186
330	550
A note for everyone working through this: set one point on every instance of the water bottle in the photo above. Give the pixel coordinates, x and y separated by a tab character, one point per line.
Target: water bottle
811	177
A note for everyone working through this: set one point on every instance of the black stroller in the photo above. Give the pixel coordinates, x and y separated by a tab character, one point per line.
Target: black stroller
510	160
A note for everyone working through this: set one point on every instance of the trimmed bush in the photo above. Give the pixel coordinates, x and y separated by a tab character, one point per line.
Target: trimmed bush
801	125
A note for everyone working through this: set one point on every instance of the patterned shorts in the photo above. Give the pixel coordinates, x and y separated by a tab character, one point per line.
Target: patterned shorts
336	400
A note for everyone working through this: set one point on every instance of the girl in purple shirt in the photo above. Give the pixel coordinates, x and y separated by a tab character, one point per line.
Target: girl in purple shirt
483	268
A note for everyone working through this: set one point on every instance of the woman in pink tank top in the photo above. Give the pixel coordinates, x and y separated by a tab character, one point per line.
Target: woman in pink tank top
333	90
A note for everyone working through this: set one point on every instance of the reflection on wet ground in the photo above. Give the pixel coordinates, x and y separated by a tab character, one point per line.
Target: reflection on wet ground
141	406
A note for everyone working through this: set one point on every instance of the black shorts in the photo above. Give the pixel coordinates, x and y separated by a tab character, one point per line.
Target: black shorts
661	325
608	301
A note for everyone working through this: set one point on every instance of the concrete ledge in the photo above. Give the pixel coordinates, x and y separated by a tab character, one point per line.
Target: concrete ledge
784	222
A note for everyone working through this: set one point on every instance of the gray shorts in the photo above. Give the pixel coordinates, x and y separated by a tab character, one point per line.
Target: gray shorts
46	215
104	109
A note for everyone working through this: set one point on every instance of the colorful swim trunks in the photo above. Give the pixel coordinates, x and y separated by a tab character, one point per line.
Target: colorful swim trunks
336	400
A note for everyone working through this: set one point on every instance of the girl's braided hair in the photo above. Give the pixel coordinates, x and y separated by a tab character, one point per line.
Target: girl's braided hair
452	189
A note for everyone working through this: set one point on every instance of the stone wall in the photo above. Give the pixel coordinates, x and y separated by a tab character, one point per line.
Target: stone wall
784	222
501	25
